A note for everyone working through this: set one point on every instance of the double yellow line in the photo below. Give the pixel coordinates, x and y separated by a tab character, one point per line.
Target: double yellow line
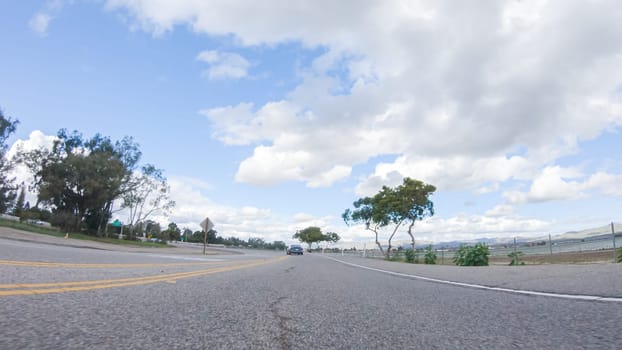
97	266
79	286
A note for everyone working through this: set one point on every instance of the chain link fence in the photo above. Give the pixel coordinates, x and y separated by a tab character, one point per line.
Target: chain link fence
604	242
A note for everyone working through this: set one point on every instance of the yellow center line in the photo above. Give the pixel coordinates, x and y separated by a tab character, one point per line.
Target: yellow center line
93	265
62	287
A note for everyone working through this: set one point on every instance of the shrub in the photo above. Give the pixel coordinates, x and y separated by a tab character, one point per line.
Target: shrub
476	255
409	254
620	255
430	256
396	256
515	256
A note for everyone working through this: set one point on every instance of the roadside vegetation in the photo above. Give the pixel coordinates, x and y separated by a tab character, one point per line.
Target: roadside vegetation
516	258
476	255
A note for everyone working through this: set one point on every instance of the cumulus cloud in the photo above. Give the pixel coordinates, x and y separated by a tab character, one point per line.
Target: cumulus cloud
224	65
415	83
558	183
194	204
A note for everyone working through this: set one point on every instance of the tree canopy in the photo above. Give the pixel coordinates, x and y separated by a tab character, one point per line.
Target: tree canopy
314	234
78	179
8	190
148	193
406	203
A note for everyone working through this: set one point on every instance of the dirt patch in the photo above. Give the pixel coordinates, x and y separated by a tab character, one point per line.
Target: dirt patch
585	257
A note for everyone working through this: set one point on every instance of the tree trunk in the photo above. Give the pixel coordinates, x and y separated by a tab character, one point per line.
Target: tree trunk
412	237
388	255
378	242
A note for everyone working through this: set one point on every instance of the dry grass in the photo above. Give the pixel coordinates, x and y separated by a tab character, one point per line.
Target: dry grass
586	257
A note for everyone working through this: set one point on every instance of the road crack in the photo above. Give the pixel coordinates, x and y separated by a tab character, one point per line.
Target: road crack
283	331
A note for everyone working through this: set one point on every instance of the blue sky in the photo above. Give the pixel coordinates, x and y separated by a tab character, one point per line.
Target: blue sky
270	117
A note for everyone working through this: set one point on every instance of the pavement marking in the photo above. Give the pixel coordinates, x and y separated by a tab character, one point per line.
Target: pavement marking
98	265
479	286
77	286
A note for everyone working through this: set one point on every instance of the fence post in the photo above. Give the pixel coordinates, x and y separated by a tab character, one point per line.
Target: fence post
615	252
364	250
550	244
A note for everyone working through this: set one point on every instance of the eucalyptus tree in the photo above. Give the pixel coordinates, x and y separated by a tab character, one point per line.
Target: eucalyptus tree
371	213
8	190
392	207
413	203
148	193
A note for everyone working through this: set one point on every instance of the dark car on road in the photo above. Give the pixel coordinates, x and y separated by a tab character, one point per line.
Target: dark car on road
295	249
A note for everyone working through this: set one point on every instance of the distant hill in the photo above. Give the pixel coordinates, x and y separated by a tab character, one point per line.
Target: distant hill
598	231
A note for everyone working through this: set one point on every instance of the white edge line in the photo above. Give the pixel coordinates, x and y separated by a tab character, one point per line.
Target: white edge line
479	286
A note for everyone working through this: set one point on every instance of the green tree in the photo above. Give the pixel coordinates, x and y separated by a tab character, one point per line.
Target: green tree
80	178
278	245
20	203
257	243
187	233
151	228
7	188
313	234
172	233
413	204
369	212
147	193
406	203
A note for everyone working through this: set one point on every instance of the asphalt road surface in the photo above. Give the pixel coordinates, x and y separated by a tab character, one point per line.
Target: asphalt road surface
56	297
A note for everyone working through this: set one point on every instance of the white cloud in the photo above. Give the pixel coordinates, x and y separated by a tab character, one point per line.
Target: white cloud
557	183
224	65
608	184
39	23
419	85
36	140
500	211
532	75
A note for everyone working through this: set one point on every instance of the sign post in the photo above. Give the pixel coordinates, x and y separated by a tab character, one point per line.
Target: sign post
118	223
206	225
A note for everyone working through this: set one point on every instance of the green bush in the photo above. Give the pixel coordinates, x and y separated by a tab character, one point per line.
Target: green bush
429	256
620	255
515	256
409	254
395	256
476	255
